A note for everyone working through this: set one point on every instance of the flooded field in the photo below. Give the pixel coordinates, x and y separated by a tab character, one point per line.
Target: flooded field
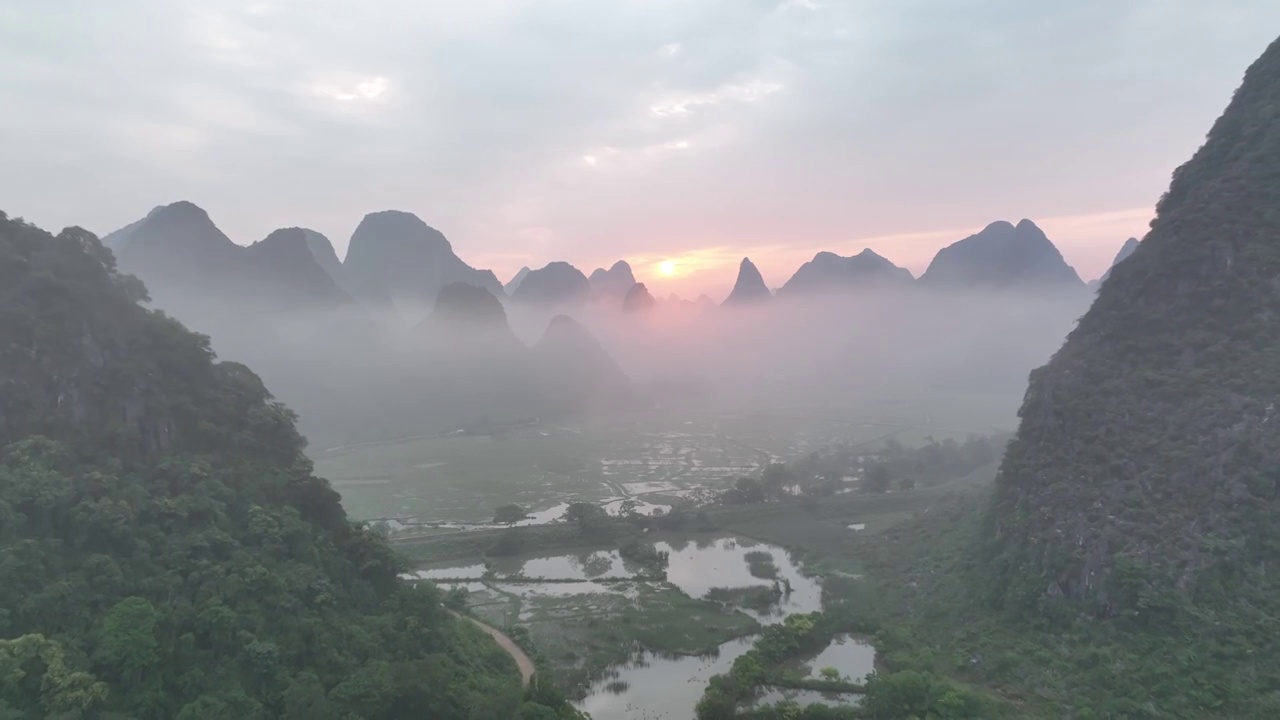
638	649
699	567
854	659
657	685
659	460
804	698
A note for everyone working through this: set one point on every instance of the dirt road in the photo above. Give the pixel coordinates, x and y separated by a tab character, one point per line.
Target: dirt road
522	660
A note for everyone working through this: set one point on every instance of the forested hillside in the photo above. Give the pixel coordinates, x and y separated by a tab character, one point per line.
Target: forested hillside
1143	486
166	551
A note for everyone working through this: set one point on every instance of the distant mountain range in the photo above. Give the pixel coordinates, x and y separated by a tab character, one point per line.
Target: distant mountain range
395	260
191	268
310	322
313	327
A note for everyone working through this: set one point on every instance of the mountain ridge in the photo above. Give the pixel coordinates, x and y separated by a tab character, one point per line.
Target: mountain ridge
829	272
1001	256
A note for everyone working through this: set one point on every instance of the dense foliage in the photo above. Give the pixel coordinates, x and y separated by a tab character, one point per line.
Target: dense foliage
828	471
1143	476
1142	488
1143	480
165	551
939	622
889	696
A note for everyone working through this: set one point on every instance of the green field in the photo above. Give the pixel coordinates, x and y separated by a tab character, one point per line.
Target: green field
664	458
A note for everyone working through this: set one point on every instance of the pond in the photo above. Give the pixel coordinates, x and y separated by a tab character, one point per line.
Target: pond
656	686
651	686
455	572
697	567
854	659
614	507
805	698
590	565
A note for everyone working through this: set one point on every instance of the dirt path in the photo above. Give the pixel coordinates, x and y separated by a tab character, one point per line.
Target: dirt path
522	660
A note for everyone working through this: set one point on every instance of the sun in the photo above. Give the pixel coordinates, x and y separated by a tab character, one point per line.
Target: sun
667	267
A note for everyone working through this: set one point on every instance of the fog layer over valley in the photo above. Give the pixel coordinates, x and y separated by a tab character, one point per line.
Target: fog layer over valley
404	338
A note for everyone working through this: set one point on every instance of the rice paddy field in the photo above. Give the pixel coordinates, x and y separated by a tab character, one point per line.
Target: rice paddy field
660	458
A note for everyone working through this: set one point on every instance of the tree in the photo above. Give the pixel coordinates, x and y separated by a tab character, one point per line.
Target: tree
877	478
775	480
536	711
127	641
60	691
167	551
456	598
509	514
589	517
745	491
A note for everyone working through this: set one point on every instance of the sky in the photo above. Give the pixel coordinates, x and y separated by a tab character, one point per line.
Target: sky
690	132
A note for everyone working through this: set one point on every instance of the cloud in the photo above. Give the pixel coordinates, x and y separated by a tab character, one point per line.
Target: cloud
748	92
798	5
627	128
366	88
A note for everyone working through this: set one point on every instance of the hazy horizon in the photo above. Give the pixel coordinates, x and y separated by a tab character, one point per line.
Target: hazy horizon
687	132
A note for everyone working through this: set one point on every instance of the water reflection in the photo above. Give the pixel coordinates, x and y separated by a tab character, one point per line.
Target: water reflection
697	568
652	686
854	659
805	698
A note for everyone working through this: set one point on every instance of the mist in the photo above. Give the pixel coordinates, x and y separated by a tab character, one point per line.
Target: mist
906	356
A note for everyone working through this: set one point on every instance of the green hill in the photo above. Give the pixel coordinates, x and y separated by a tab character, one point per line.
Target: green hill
166	551
1143	487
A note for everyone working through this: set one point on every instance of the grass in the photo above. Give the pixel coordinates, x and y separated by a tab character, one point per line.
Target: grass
582	635
465	478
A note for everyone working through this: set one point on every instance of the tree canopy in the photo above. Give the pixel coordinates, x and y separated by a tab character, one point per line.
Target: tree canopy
166	551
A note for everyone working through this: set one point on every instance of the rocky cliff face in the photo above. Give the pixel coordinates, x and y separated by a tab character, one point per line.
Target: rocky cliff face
1144	473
